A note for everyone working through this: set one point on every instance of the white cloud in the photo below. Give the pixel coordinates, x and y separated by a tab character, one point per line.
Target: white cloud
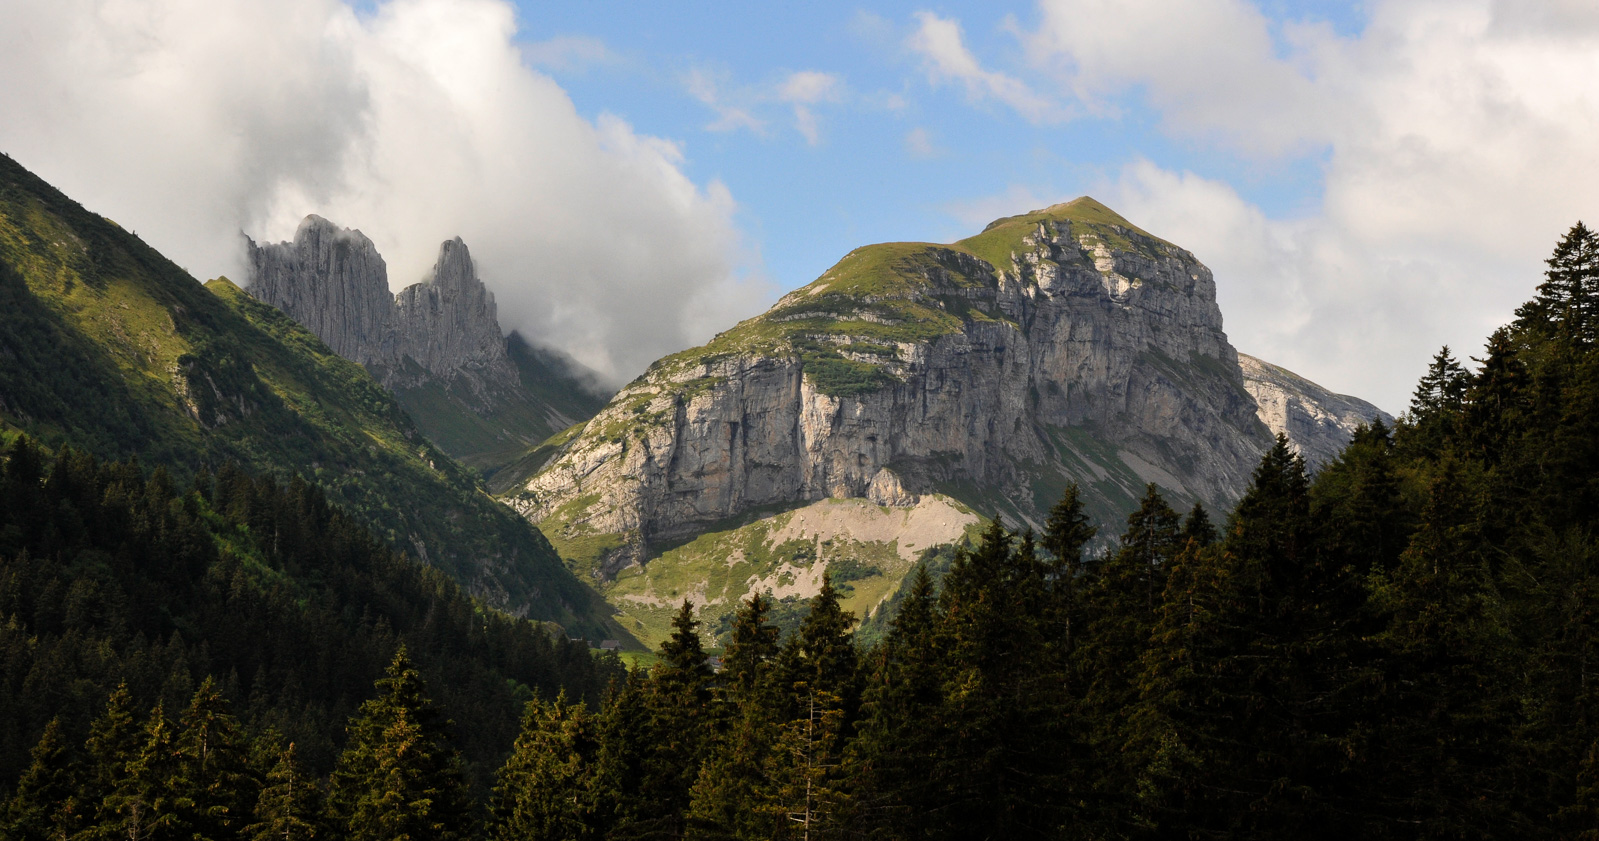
706	86
420	120
1454	141
805	89
738	107
945	58
919	145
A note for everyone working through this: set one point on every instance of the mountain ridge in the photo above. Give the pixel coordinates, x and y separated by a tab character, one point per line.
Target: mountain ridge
481	396
1010	360
111	347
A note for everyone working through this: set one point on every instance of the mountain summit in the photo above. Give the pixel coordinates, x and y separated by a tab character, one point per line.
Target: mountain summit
1062	345
481	397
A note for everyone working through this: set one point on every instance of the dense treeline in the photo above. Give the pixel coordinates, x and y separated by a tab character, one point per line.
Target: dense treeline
110	576
1401	646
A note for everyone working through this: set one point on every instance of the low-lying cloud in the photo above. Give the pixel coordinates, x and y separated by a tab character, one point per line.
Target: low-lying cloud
190	121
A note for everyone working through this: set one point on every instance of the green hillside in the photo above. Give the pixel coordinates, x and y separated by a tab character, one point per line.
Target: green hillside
553	394
846	323
109	346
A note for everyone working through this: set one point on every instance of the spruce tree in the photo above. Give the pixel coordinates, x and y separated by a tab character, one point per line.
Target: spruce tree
114	741
147	803
1444	731
214	769
816	701
725	794
45	806
1121	610
397	777
1003	770
658	735
546	789
289	807
901	729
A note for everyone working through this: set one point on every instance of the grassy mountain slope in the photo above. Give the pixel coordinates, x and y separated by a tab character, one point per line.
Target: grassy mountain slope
554	392
109	346
868	549
845	324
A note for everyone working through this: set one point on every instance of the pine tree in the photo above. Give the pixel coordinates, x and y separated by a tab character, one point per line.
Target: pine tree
114	741
546	789
397	777
722	803
901	730
146	805
45	806
289	807
215	773
1567	303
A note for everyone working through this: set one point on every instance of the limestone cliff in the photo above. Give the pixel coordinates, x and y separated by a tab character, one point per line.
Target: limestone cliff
334	283
436	344
1317	421
1061	345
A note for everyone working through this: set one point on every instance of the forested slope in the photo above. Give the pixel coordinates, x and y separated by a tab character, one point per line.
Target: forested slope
109	576
108	346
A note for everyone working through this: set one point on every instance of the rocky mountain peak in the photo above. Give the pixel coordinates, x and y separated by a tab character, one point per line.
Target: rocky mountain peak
333	281
449	323
1056	346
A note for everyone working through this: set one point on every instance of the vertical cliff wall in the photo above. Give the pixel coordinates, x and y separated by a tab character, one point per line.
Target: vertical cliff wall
1063	345
436	344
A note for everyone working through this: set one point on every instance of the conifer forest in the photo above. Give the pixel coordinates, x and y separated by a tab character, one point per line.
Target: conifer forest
1403	644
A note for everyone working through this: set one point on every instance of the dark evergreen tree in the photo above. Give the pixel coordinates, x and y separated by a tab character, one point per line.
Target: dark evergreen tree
290	806
547	788
723	803
398	777
214	774
46	805
146	804
1566	307
901	728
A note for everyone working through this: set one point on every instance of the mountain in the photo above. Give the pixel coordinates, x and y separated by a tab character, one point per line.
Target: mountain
1063	345
110	347
483	398
1316	421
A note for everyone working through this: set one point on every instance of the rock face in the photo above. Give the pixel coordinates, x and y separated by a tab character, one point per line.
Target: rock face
481	397
1318	422
448	325
333	281
1062	345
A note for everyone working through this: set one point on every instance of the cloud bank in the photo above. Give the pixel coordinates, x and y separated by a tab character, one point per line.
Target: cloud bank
189	121
1453	142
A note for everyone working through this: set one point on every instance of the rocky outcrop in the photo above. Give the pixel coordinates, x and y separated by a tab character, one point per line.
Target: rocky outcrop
449	326
1316	421
1063	345
333	281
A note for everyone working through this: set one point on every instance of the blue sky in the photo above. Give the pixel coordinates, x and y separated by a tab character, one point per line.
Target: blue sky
804	204
1368	181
